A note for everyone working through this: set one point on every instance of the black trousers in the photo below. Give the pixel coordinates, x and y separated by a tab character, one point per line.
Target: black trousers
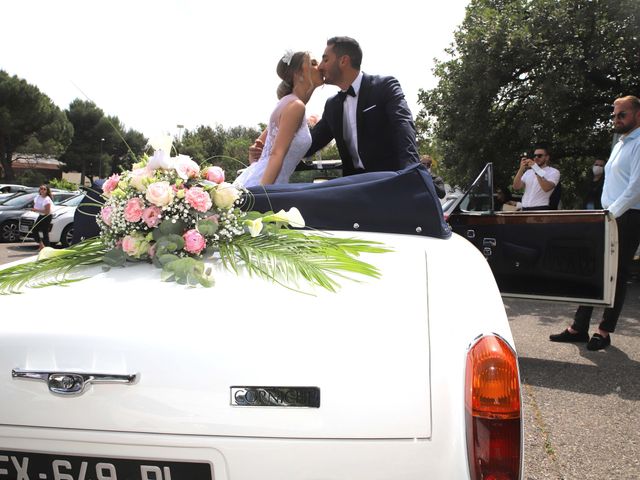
628	239
42	225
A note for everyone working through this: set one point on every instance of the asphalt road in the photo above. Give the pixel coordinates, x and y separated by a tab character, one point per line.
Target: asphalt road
582	409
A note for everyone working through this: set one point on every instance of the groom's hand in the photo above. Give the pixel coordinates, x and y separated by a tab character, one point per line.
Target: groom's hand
255	150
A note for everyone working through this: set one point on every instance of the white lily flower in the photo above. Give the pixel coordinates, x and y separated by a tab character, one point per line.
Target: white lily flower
48	252
161	142
254	226
293	217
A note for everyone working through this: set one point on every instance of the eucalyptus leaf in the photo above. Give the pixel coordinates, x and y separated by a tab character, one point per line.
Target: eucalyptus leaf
115	258
207	227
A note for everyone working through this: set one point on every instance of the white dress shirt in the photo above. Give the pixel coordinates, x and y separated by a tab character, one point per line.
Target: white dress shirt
349	122
621	190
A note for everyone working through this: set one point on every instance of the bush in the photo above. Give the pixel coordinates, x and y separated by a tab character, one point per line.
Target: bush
63	184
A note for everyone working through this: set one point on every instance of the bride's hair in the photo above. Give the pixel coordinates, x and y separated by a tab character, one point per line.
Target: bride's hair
286	71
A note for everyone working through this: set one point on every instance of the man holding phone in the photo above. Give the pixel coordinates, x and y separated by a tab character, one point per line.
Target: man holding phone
537	178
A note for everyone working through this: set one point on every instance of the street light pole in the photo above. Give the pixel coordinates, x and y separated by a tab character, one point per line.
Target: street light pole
100	166
180	127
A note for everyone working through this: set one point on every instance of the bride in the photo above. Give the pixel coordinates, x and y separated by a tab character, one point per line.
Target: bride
287	135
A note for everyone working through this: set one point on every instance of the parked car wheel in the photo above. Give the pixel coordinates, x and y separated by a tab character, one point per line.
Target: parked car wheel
67	236
9	231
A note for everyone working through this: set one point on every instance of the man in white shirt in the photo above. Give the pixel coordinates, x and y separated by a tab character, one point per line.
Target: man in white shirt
537	178
621	196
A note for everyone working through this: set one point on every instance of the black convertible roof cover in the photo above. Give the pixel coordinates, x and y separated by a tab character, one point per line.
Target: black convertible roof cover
391	202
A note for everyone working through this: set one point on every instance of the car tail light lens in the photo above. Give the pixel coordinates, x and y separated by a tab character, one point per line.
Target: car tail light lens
493	411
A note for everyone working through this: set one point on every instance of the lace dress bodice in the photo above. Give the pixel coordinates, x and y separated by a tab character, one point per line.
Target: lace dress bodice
299	145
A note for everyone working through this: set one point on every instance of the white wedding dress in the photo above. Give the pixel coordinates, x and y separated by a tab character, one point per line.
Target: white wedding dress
299	145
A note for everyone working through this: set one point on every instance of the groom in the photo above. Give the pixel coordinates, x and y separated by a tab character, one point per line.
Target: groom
369	118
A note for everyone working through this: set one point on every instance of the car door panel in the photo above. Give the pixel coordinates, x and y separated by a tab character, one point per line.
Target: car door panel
560	255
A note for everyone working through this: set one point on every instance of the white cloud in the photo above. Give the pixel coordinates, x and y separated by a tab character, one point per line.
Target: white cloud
159	63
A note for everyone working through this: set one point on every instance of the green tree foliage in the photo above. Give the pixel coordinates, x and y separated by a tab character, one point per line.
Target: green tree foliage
29	122
216	146
100	145
523	71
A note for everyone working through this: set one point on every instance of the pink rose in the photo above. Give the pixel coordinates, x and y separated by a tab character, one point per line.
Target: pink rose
194	242
133	210
151	216
135	245
214	174
111	184
159	193
105	214
198	199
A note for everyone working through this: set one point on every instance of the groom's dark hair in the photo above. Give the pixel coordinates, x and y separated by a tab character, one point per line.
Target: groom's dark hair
347	46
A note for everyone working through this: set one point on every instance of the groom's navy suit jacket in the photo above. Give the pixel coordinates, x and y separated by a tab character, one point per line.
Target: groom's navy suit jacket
386	133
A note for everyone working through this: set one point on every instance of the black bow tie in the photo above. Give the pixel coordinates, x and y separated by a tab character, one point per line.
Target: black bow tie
343	95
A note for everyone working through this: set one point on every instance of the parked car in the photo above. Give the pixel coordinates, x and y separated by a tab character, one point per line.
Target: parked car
12	188
9	190
61	227
413	375
12	209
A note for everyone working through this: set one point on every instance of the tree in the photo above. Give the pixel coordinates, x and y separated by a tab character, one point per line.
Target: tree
523	71
100	145
29	122
217	146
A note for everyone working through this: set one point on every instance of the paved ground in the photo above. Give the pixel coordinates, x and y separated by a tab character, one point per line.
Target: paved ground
582	409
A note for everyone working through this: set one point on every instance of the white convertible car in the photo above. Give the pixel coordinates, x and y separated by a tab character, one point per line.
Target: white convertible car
410	376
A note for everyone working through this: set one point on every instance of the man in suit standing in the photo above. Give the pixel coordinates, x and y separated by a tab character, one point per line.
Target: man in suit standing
369	118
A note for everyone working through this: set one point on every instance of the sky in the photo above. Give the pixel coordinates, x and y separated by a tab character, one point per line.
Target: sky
157	64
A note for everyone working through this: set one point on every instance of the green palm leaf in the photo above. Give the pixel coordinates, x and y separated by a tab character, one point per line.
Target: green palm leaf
52	271
289	255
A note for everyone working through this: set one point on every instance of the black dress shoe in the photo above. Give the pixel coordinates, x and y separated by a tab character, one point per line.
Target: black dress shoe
567	337
598	342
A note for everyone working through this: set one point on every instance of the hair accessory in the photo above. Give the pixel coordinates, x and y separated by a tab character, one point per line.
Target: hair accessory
288	55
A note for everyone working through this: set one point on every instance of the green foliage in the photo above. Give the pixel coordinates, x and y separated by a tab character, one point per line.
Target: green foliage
227	149
100	144
62	184
28	118
31	178
523	71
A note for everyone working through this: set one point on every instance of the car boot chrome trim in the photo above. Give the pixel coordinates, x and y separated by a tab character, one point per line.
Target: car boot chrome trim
72	383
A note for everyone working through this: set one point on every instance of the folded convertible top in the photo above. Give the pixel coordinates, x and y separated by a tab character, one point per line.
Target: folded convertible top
391	202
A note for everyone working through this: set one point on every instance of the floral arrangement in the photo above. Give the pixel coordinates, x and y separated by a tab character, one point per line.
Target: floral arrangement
169	211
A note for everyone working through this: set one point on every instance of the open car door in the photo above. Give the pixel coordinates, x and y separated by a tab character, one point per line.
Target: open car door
559	255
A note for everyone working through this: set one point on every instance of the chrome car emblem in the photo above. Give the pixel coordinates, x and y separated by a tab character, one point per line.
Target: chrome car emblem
72	383
275	397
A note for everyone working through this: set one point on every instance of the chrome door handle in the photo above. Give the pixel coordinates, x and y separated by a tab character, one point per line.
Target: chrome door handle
72	383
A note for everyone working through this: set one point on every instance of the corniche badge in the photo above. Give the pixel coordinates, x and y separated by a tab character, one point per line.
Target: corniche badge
308	397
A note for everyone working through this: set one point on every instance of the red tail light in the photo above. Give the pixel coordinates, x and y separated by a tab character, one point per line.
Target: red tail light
493	411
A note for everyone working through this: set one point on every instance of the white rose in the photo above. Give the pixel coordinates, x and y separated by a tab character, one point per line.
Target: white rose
225	195
159	193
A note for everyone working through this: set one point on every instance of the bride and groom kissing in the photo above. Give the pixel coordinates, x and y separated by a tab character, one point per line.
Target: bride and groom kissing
369	118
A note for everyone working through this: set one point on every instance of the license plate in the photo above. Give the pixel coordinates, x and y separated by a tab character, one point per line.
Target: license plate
24	228
45	466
